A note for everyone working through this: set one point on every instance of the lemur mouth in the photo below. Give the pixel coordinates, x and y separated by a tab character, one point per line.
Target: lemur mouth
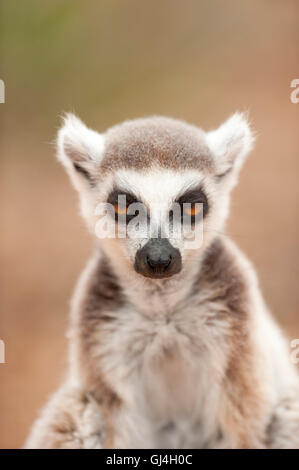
158	259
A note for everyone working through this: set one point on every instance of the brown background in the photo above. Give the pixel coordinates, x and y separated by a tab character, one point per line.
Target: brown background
107	61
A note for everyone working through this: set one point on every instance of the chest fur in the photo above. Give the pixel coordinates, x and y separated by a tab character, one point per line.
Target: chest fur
167	369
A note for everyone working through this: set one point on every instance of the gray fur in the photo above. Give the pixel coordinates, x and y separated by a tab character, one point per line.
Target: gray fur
157	140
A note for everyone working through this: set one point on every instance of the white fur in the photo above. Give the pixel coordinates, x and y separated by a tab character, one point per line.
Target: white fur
231	142
83	140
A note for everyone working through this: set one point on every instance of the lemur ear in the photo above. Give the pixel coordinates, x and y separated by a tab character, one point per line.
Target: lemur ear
79	148
231	143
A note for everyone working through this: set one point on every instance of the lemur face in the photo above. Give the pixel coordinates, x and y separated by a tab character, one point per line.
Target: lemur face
164	186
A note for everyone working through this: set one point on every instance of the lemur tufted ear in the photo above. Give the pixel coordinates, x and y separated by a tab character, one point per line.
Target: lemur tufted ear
79	148
231	143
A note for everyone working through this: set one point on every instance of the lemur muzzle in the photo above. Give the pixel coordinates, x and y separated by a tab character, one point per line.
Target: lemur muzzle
158	259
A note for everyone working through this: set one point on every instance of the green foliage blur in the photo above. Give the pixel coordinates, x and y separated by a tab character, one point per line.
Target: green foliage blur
109	60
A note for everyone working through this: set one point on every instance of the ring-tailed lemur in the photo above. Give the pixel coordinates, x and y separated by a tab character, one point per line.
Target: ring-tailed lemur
169	346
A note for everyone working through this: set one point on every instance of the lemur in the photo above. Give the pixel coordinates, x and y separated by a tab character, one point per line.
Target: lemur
170	346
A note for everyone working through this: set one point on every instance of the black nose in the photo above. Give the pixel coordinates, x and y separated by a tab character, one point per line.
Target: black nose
159	262
158	259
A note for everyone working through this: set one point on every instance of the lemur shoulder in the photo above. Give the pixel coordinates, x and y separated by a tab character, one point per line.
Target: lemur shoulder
170	346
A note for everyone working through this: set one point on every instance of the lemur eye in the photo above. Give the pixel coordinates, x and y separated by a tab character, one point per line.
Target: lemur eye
193	203
121	200
192	210
120	209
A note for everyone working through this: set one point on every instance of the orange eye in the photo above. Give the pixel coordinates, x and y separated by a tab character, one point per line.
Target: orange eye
120	210
194	210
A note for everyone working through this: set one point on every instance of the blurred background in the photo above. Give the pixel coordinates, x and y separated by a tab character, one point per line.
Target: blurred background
108	61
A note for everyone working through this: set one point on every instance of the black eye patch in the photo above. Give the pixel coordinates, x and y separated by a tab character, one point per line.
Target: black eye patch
121	200
194	196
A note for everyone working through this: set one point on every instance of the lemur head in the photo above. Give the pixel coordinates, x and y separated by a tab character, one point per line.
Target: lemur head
151	167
